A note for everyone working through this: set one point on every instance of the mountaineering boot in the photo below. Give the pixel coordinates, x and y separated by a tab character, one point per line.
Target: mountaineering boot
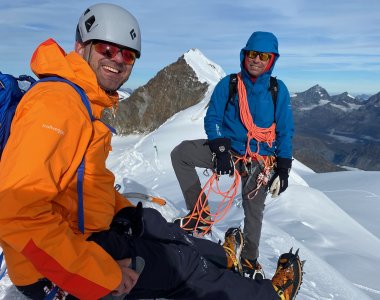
252	269
287	279
190	222
233	245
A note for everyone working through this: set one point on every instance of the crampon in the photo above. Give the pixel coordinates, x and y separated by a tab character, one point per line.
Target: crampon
287	279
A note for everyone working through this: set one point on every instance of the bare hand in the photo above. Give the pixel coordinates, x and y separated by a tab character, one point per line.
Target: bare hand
129	278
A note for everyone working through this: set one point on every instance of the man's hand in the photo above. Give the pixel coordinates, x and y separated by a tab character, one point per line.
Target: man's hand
279	180
129	221
129	277
223	162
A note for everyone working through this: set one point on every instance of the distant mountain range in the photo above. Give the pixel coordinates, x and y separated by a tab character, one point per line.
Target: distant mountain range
331	131
340	129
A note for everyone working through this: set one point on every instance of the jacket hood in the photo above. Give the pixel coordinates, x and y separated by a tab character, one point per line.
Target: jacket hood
262	42
49	59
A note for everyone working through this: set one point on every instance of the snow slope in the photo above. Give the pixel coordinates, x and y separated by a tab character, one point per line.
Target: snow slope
340	252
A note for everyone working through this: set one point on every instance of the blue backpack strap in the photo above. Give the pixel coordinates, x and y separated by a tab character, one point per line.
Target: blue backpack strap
51	295
2	274
79	90
80	171
113	130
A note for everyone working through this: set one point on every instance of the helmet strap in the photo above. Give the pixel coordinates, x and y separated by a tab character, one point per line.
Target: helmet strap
87	57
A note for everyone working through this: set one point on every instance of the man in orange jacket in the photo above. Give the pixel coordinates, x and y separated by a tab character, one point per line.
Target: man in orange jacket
47	253
51	133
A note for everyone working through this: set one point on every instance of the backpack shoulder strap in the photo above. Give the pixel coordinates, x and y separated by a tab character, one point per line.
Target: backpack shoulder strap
3	270
232	87
83	95
80	171
79	90
273	88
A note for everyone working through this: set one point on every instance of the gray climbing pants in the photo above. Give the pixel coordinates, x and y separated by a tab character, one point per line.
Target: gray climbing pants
196	153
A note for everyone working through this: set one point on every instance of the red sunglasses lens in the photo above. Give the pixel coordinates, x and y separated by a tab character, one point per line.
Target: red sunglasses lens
111	51
128	56
106	50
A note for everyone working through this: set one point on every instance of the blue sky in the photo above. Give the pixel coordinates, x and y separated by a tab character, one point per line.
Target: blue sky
335	44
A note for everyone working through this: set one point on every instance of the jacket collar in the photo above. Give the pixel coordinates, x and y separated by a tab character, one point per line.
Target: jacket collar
49	59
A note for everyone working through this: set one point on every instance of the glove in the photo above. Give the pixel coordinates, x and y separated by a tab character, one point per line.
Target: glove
129	221
112	242
279	180
223	163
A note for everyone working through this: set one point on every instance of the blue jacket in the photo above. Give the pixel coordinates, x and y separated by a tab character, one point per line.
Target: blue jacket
223	116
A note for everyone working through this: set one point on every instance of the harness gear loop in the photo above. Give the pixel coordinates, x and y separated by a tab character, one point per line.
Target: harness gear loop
266	165
264	176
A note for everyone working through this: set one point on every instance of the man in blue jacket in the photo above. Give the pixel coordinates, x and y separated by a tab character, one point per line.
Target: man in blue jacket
251	131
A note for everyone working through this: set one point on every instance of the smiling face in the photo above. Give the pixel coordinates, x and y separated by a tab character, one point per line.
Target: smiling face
255	66
111	72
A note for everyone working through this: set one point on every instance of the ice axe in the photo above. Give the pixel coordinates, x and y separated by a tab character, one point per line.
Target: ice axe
142	196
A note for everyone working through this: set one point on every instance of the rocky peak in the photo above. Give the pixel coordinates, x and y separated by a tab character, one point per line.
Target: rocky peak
176	87
311	98
345	102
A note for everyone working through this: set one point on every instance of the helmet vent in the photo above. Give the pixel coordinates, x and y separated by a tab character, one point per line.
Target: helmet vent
89	22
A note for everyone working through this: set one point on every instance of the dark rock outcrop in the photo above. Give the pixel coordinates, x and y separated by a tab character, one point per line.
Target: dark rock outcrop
174	88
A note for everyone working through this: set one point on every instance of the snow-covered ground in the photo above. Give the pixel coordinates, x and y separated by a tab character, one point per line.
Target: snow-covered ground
339	239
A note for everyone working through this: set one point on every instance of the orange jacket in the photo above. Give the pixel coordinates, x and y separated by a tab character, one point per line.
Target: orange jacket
50	133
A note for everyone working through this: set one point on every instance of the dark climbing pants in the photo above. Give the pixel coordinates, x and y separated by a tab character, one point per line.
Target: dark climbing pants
177	266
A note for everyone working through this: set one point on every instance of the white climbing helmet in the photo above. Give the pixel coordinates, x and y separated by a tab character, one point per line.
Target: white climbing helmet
110	23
